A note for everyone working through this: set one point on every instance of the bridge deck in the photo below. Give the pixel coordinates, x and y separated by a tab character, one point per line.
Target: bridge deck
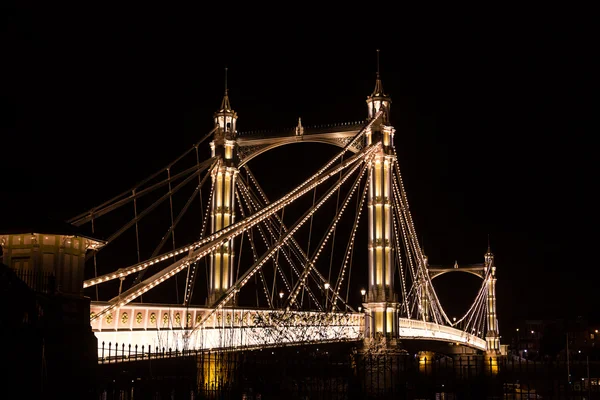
168	326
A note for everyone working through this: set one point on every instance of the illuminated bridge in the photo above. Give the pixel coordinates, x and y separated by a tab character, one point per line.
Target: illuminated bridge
271	272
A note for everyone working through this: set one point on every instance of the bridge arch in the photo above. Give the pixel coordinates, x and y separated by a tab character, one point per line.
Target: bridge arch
261	150
434	274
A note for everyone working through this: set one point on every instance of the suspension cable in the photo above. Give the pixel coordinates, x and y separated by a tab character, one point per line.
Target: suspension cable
172	231
350	246
165	237
395	205
253	204
203	247
95	265
337	202
224	299
250	234
86	216
356	211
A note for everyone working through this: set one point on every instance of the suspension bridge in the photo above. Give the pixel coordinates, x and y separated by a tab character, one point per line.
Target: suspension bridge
255	272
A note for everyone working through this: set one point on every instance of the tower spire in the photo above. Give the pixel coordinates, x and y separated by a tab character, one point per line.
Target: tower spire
488	254
378	99
226	118
225	105
378	91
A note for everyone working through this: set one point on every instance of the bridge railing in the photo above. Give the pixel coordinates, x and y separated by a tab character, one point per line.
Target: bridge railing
109	353
430	330
112	353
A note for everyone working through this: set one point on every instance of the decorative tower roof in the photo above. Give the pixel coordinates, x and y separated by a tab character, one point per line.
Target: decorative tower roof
225	104
299	128
378	99
489	256
226	118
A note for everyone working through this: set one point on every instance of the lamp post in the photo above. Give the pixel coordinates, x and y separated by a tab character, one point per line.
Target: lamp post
281	298
363	293
568	362
326	285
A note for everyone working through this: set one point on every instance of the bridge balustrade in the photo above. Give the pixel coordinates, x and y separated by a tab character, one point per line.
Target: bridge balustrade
418	329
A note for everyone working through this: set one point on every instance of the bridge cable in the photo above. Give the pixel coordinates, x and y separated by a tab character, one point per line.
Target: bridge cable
203	247
349	253
95	266
356	211
247	195
276	258
310	229
129	224
425	275
224	299
174	223
190	279
205	224
310	266
398	255
337	201
137	232
407	248
257	203
172	232
253	202
192	268
261	273
349	247
86	216
250	234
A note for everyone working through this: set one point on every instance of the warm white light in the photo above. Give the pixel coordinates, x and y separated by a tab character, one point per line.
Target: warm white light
281	295
363	292
326	285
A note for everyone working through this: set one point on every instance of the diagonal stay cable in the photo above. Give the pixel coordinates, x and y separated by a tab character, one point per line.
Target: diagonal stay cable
205	246
179	216
102	208
323	174
224	299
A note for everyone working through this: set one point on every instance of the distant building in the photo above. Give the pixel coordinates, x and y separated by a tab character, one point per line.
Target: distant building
45	317
547	338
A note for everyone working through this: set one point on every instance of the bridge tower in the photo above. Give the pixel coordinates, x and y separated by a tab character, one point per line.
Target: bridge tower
381	303
223	177
492	336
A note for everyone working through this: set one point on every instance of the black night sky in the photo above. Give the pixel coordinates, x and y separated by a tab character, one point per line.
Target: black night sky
495	118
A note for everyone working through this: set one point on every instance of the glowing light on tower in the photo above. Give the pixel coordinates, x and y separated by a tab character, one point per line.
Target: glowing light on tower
382	299
222	207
